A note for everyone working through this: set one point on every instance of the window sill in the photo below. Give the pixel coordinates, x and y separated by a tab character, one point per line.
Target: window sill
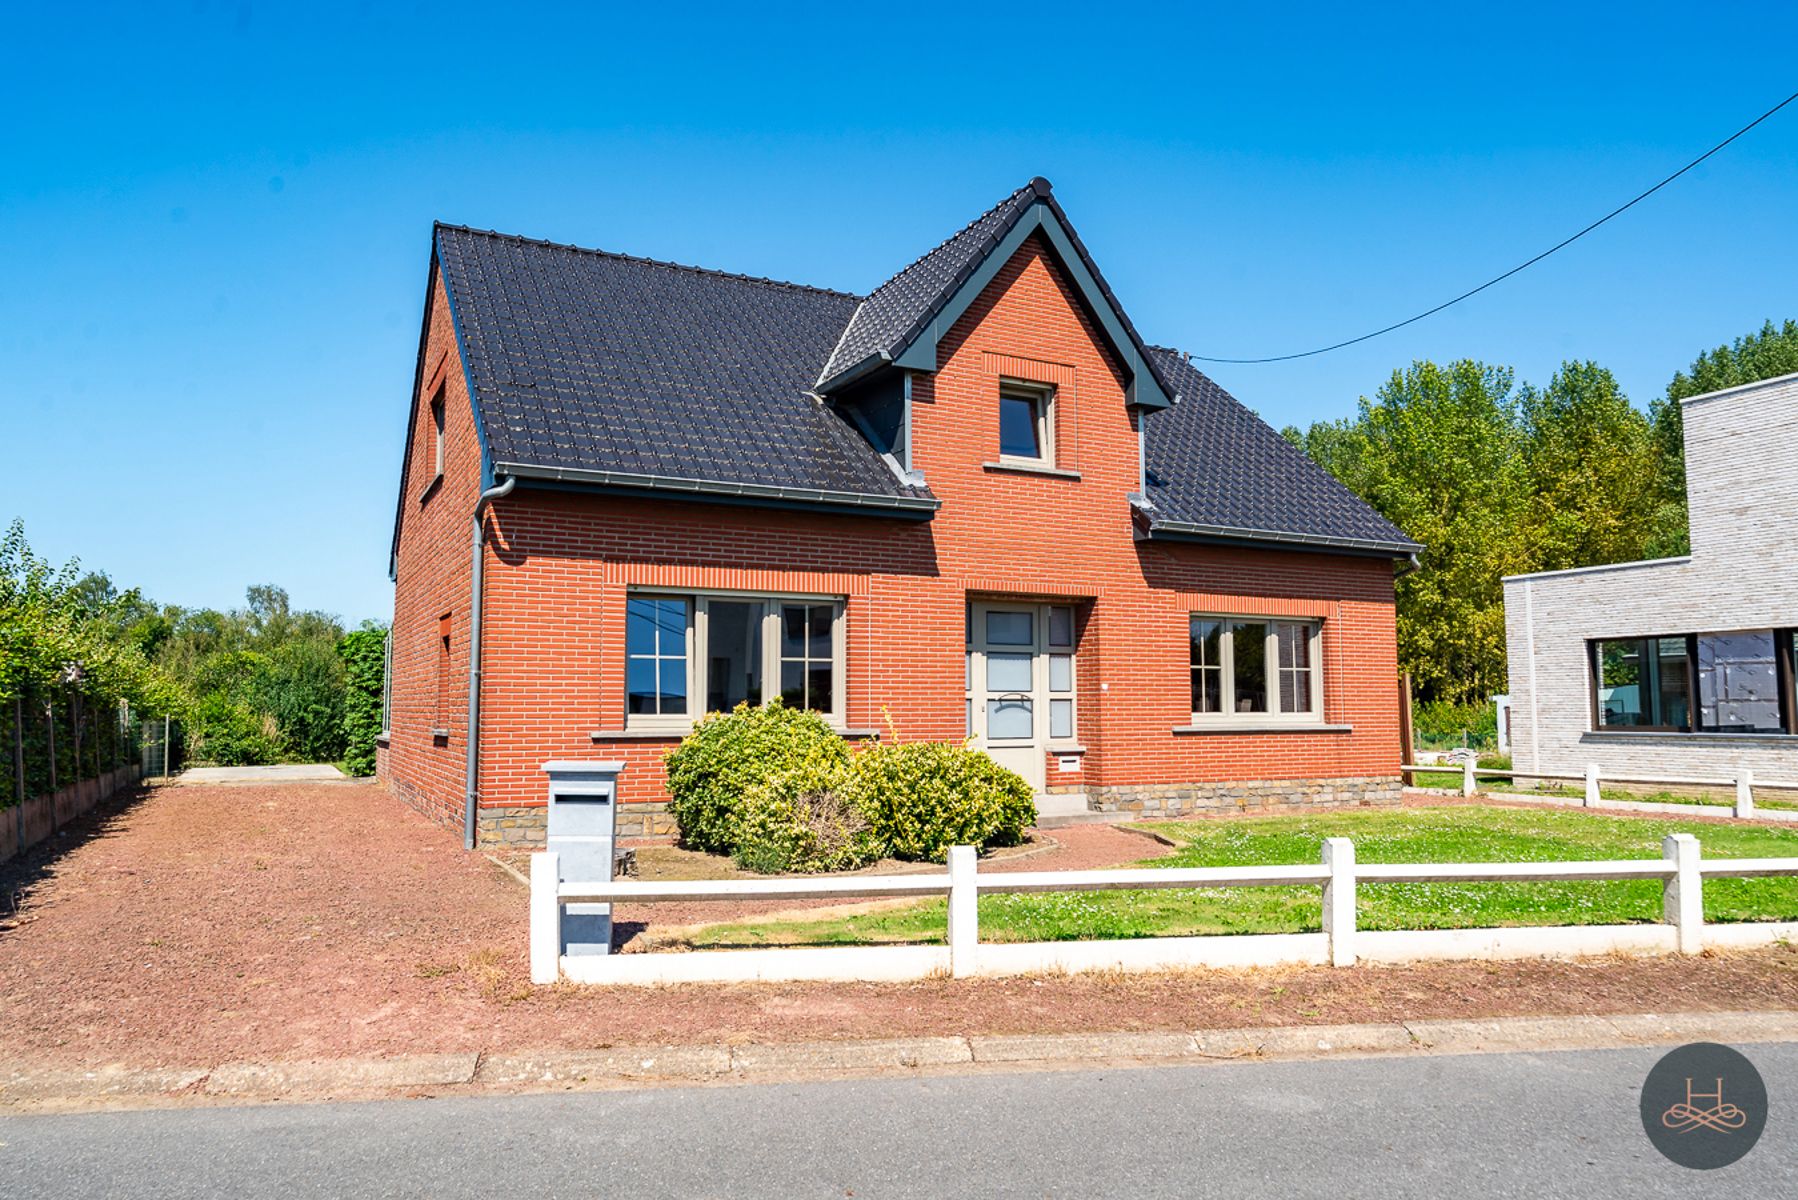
384	738
1024	467
676	734
431	488
1264	727
1688	736
440	735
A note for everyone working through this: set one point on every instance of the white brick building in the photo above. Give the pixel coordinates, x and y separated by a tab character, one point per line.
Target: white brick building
1681	666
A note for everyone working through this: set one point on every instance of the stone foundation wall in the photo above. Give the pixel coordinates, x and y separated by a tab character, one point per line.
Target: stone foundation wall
525	825
1260	796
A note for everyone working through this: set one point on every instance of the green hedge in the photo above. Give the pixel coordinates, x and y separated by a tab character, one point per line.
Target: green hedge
928	796
364	654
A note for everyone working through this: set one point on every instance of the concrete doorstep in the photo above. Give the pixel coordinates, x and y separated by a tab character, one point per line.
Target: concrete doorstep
438	1074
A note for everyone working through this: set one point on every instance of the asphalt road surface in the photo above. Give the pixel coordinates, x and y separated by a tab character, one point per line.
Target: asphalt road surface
1527	1125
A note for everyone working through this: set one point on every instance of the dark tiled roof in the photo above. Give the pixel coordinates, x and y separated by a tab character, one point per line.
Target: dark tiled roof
1214	466
896	310
599	362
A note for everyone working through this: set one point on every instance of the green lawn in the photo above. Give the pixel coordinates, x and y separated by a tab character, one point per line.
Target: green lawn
1461	833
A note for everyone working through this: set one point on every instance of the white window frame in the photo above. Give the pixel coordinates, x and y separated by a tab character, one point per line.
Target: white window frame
1227	672
698	665
439	415
1042	395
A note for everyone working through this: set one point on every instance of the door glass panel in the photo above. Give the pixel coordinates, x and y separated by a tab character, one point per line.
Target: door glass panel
1061	626
1061	718
1010	719
733	654
1008	672
1061	672
1010	628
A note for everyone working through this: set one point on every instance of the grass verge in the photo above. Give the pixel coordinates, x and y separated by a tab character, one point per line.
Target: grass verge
1458	833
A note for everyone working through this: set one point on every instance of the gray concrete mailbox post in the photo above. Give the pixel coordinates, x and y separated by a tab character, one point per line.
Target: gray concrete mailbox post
582	831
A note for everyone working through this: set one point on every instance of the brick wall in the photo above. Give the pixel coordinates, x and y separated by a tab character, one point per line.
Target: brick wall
423	767
561	563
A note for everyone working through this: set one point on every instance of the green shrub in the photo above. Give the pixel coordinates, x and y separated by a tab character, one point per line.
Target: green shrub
727	754
925	797
1444	726
802	819
231	734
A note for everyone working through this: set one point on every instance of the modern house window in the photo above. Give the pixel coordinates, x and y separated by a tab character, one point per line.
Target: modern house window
1739	682
730	650
1026	423
1249	668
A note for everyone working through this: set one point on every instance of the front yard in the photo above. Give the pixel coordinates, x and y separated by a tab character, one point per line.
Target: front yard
1451	833
203	924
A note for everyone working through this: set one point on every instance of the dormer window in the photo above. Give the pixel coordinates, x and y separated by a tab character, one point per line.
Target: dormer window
1026	423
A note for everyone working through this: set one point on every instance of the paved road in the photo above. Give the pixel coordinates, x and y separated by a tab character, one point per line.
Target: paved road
1526	1125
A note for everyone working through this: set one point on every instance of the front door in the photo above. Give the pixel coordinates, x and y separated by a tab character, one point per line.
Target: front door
1020	683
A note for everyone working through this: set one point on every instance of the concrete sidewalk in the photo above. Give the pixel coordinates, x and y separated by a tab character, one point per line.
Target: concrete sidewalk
53	1089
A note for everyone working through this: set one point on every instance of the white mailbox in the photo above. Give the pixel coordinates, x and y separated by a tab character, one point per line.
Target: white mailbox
583	831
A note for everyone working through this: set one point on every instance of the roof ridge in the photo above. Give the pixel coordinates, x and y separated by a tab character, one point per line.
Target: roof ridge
652	262
1010	198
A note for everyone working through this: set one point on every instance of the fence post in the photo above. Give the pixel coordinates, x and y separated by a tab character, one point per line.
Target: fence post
1682	895
964	910
1591	785
1745	793
1339	901
1468	785
546	917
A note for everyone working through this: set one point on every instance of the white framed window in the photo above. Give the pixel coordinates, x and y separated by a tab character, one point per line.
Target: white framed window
1254	669
1026	423
708	652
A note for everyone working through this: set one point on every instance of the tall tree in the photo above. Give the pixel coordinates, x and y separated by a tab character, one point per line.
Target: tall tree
1437	450
1590	459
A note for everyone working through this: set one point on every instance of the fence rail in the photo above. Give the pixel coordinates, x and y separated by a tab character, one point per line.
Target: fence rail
1744	784
1681	870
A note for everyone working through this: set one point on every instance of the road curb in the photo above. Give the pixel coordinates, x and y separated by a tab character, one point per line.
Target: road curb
465	1073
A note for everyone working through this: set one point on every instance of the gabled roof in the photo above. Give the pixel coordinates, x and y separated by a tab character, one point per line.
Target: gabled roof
900	323
1218	472
625	374
605	369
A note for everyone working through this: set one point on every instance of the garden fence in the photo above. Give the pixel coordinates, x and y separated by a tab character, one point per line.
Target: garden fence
1681	870
63	751
1743	785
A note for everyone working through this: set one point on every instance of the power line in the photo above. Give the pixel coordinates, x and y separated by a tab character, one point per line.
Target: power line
1616	212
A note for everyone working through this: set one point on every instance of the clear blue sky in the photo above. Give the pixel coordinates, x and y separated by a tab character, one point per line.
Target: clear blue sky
215	217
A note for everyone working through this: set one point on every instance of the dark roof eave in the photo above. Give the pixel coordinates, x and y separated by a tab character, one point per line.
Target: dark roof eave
917	508
1190	531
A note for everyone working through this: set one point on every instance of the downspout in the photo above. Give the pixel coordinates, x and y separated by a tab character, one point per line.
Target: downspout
478	544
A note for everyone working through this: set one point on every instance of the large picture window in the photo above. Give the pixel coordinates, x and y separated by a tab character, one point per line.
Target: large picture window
708	653
1738	682
1247	669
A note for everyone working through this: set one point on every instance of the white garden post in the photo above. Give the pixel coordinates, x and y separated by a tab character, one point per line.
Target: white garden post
1467	784
546	918
1682	896
1591	785
964	910
1745	793
1339	901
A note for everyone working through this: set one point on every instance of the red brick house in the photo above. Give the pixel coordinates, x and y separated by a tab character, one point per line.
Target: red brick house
973	503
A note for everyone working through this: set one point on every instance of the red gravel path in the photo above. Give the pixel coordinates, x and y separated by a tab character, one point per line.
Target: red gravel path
203	924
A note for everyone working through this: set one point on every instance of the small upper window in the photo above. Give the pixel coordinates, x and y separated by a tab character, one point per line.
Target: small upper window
1025	428
437	433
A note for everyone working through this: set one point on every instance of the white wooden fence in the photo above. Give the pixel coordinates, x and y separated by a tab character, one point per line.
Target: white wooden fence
1681	870
1743	784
